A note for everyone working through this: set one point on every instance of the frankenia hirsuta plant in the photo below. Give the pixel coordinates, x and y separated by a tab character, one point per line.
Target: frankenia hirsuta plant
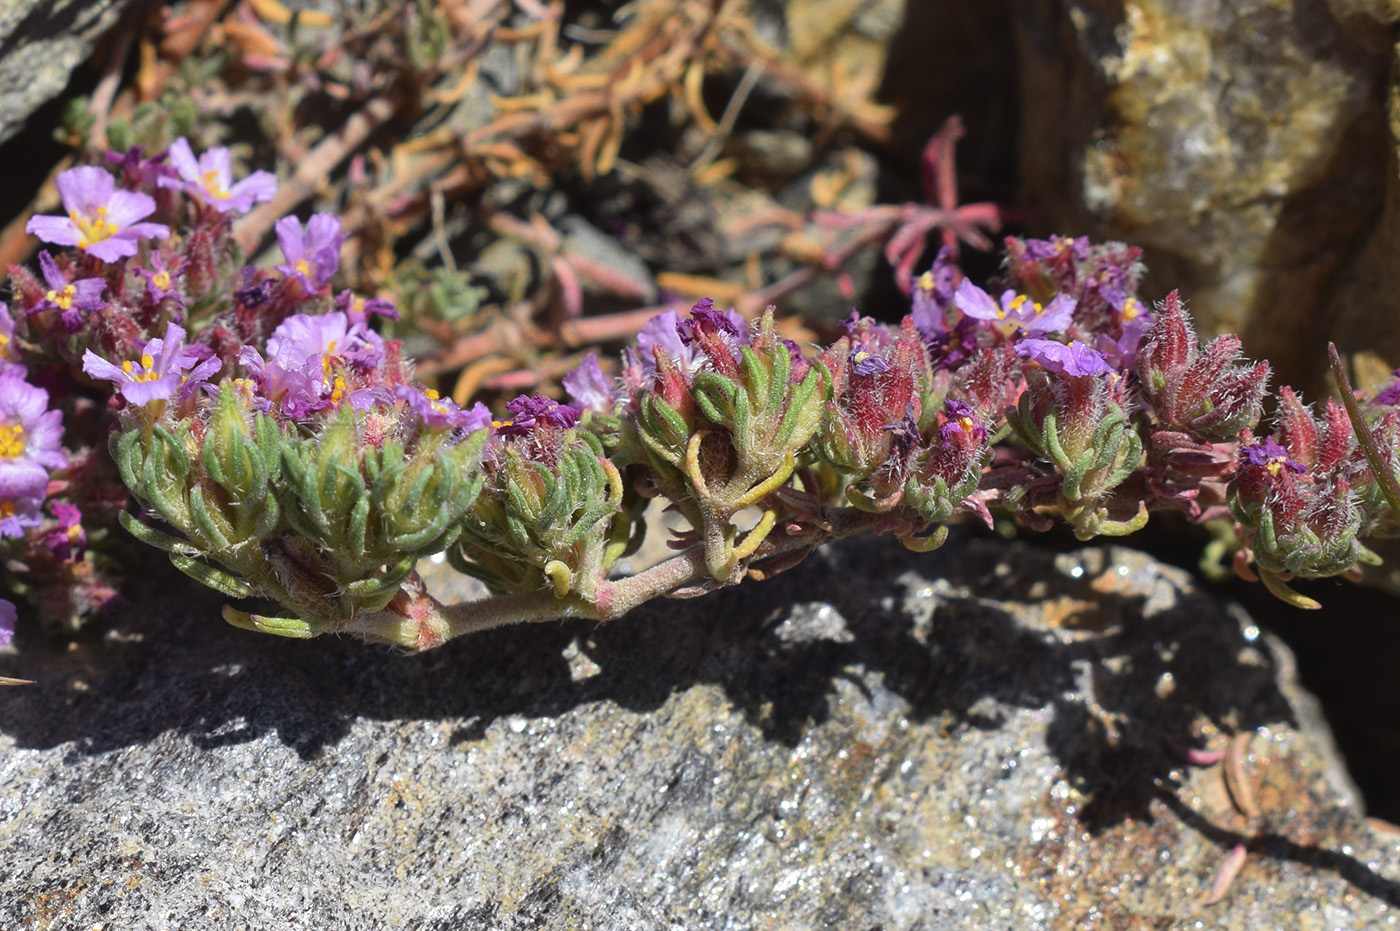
279	448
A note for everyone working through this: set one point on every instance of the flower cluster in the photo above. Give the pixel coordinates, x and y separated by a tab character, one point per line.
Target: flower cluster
279	447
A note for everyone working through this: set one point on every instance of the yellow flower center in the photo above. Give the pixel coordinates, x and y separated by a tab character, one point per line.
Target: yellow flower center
11	441
1274	466
926	281
498	424
161	279
967	424
302	267
338	391
1131	309
146	365
94	228
212	185
64	298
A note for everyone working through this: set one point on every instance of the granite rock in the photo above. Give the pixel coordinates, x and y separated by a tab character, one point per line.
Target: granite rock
41	42
1243	144
975	738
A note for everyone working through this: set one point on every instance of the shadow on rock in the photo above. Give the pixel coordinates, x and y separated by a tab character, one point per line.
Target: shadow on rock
1122	653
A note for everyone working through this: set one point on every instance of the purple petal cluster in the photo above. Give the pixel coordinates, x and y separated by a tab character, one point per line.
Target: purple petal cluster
1013	312
210	179
101	220
705	319
308	360
933	294
68	539
313	254
439	413
1073	359
590	388
30	445
70	298
1269	455
166	365
9	349
530	411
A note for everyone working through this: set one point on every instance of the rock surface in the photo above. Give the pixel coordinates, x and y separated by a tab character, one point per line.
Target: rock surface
970	739
41	42
1243	144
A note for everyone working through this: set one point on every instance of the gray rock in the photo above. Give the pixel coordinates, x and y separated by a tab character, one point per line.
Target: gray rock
1243	144
41	42
969	739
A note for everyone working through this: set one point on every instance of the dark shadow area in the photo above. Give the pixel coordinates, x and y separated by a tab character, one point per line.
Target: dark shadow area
190	673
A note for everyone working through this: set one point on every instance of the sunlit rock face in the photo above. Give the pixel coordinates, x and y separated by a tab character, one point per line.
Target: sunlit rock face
1244	144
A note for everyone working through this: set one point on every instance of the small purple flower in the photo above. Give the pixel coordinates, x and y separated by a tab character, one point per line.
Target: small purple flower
663	332
1042	249
136	170
705	319
1271	456
18	511
1015	311
306	358
70	299
357	309
529	411
210	179
904	433
102	221
8	617
933	294
312	256
68	539
165	366
440	413
30	439
865	362
160	279
9	350
1389	396
962	422
590	388
1075	359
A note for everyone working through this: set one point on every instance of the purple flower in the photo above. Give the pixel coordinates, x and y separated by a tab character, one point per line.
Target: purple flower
933	294
1015	311
440	413
529	411
1074	359
313	256
589	388
357	309
165	365
1271	456
705	319
209	179
160	279
8	617
307	358
30	438
663	332
962	422
102	221
136	171
9	351
1042	249
68	538
70	299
